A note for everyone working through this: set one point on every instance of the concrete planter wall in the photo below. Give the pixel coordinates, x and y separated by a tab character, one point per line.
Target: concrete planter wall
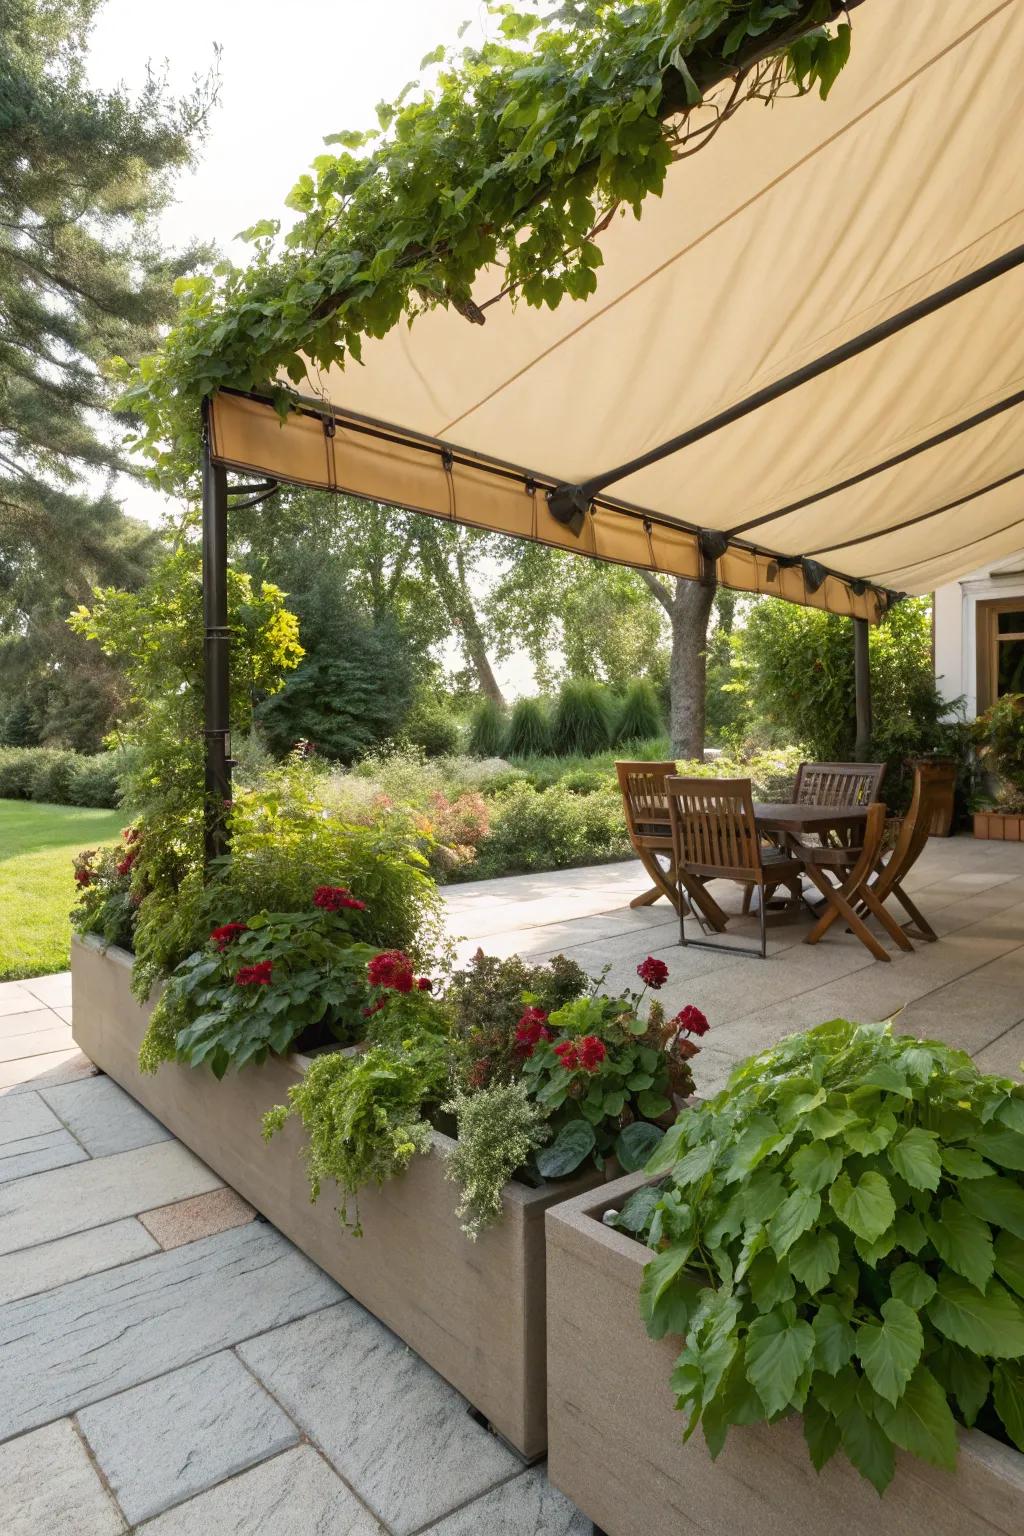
474	1311
999	825
615	1438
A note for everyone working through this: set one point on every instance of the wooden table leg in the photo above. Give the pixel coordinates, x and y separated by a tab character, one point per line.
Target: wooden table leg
701	897
841	907
663	881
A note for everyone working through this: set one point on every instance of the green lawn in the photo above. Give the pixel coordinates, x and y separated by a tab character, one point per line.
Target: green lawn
37	889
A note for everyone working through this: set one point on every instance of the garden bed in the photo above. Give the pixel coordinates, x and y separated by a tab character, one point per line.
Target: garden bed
473	1311
615	1437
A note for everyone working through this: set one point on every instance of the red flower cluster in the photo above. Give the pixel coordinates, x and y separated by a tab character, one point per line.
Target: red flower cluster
588	1053
391	969
425	984
124	866
653	973
336	898
258	975
84	876
691	1021
531	1029
226	934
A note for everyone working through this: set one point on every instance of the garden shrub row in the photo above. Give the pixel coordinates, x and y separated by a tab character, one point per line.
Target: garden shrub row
584	718
62	778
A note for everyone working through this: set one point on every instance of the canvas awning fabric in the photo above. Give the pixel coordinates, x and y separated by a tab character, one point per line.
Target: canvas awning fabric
797	229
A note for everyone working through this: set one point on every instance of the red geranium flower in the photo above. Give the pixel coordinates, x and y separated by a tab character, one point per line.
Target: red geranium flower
653	973
226	934
124	866
425	984
335	898
393	969
257	975
592	1052
84	876
531	1029
691	1020
568	1054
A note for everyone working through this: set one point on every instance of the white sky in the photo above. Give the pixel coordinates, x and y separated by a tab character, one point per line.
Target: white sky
290	74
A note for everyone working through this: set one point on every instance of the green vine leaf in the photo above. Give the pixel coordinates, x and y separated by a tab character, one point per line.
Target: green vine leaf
890	1351
866	1207
989	1323
921	1421
778	1351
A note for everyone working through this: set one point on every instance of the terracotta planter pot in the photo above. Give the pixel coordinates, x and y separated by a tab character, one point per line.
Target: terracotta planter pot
474	1311
999	826
615	1437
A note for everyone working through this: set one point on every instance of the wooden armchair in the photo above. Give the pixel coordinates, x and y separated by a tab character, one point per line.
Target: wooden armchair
715	837
646	808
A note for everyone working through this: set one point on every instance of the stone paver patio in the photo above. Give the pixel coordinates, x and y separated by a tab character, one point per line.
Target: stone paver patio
170	1363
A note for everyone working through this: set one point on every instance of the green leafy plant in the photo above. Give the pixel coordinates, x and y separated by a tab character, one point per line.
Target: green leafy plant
487	1001
606	1075
106	904
842	1234
262	985
499	1129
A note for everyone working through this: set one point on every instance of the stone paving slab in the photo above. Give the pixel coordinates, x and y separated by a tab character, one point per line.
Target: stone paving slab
33	1072
90	1338
527	1504
296	1494
37	1021
1005	1055
32	1270
15	998
188	1220
37	1154
49	1487
38	1042
103	1117
398	1434
54	991
66	1200
160	1443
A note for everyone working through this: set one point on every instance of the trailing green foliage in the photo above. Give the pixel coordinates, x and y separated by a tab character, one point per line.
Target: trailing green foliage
364	1115
640	715
63	778
582	719
529	729
842	1234
487	729
498	1130
511	160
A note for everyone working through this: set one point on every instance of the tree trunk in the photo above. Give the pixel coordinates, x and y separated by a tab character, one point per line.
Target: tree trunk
453	587
688	609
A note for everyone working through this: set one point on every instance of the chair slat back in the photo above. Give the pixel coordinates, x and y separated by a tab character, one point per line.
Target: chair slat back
934	784
713	829
644	802
838	783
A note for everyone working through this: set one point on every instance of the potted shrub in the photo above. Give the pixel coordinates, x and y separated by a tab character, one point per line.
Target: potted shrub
999	733
828	1285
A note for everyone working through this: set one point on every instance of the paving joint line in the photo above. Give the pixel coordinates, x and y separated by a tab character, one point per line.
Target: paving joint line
102	1476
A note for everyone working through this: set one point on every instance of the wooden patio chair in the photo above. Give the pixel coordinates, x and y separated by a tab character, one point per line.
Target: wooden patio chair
934	784
853	866
715	837
646	809
838	783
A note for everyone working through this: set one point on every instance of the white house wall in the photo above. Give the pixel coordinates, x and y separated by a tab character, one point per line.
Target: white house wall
956	654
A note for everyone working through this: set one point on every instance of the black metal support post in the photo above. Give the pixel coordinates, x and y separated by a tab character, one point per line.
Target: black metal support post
862	688
216	652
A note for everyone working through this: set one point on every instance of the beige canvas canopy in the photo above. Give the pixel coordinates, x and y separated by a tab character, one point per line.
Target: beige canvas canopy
872	246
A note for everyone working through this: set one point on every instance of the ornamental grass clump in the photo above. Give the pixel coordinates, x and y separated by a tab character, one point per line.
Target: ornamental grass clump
529	729
841	1234
582	720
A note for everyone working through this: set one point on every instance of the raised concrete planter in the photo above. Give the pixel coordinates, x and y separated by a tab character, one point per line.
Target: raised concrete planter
999	825
474	1311
615	1438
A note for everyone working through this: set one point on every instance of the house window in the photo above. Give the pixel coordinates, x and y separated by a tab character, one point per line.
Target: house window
1000	649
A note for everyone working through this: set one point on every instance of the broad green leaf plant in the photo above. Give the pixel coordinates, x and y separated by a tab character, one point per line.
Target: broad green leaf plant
514	157
841	1234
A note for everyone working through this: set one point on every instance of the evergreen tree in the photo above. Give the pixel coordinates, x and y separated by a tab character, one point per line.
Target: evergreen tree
83	176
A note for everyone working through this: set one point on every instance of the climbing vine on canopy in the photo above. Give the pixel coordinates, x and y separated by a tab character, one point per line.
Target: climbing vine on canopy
513	158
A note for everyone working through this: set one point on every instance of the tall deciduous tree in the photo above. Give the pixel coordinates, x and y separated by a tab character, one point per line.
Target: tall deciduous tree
83	175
